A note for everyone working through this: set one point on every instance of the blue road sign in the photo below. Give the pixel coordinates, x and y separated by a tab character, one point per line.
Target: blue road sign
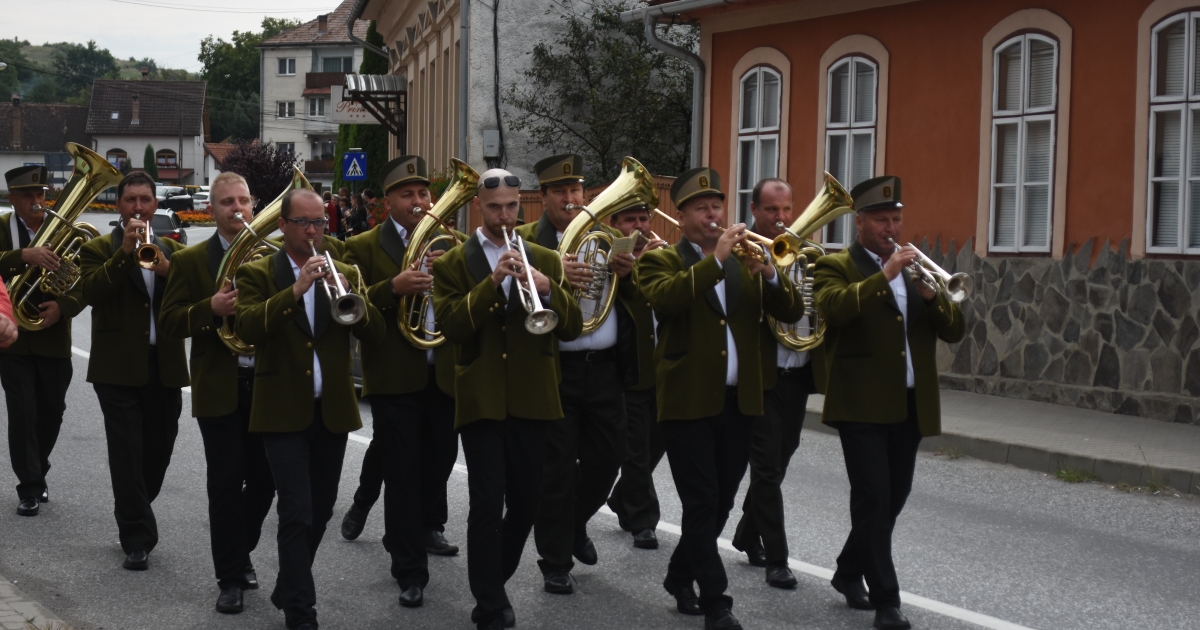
354	166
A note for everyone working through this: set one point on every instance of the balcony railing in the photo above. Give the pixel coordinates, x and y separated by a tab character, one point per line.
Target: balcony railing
318	166
313	80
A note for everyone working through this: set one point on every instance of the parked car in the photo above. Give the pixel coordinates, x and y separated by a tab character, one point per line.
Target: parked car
173	198
166	224
201	202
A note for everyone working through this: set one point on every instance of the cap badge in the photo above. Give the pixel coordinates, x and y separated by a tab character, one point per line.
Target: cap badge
566	168
887	192
412	168
703	181
35	176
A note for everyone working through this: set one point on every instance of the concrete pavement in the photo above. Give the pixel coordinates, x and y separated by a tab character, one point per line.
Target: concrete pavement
18	611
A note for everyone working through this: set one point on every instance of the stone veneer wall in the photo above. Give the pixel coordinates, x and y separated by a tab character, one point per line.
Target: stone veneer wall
1114	335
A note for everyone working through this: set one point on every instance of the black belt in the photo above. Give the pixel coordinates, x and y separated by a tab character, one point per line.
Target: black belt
590	356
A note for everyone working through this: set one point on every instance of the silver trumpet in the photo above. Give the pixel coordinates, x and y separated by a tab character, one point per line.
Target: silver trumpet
347	308
957	287
147	253
541	320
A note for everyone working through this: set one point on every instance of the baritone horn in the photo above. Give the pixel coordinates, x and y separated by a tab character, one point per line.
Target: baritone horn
957	287
541	320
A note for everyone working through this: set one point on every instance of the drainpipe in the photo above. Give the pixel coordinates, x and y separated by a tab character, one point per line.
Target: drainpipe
464	68
649	16
355	13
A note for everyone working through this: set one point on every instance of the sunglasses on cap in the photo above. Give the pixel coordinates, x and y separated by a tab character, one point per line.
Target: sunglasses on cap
512	181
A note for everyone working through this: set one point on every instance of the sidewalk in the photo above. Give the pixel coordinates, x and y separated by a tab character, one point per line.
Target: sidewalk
1049	438
16	608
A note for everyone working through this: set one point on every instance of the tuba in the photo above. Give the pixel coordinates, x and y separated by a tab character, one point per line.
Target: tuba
793	252
248	246
634	186
64	236
411	311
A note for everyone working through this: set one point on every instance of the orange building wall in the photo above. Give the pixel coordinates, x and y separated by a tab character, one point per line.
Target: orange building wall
934	105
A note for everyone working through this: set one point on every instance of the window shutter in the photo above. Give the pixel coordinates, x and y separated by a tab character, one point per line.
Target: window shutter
1041	73
1004	178
1008	78
1038	145
836	163
750	101
1035	206
839	94
770	98
768	158
861	154
864	92
746	165
1166	214
1006	154
1170	51
1166	145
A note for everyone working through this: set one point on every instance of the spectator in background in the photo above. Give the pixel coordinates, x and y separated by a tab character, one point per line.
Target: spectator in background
357	224
8	327
371	205
331	212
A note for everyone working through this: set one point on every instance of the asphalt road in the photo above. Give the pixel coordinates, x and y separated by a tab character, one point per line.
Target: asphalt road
1008	545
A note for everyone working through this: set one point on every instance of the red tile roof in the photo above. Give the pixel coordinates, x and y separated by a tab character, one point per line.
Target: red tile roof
161	106
45	127
334	33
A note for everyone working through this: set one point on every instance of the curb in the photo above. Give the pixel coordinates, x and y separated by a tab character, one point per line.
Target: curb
1047	461
16	608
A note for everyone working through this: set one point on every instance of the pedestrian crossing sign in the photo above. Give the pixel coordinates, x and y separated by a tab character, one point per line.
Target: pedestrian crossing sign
354	166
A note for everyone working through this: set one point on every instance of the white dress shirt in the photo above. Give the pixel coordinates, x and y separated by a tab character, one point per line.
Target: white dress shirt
148	278
789	359
603	337
429	321
493	253
244	360
310	309
13	231
900	291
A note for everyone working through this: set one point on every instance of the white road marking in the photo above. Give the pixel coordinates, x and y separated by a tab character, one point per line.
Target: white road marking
822	573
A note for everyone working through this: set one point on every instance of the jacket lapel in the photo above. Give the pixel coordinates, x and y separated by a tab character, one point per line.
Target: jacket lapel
391	243
916	305
284	278
323	314
477	262
868	267
690	256
547	235
216	253
135	274
733	283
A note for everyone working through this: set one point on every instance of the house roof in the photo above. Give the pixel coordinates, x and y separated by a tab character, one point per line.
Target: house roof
45	127
161	105
219	150
307	34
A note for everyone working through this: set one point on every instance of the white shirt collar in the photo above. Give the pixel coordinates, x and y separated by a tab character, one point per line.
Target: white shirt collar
400	229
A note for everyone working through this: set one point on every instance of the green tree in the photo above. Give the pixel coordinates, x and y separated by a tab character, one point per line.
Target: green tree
44	91
19	69
599	89
372	139
232	72
149	163
78	65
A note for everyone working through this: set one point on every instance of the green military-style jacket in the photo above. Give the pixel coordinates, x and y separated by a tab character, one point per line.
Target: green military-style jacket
863	352
690	358
187	312
394	366
54	341
500	368
113	286
270	317
636	334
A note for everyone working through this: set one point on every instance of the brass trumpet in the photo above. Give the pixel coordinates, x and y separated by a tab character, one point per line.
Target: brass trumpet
741	250
957	287
147	253
541	320
347	308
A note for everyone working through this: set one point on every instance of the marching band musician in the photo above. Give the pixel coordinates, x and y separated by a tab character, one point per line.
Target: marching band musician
137	372
711	359
36	369
304	403
240	487
585	450
776	436
410	390
8	327
882	329
506	380
634	499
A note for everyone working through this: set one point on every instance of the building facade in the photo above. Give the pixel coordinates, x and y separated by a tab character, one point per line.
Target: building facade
36	133
300	68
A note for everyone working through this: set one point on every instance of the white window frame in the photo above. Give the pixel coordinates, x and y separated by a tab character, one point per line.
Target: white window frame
755	134
848	130
289	67
1186	105
289	147
1022	117
285	109
316	107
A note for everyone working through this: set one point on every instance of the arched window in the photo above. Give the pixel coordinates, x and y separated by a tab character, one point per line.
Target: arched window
116	156
1024	100
758	133
165	158
1173	208
850	121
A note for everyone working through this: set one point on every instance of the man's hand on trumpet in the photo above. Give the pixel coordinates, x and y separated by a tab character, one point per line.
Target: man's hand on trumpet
733	235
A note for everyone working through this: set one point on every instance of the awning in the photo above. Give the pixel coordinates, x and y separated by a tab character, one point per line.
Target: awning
384	96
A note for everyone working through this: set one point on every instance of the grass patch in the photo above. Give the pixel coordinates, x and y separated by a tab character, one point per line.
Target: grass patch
1124	487
1074	475
1154	485
950	452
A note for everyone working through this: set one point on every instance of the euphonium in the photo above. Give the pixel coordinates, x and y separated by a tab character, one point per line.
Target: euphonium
248	246
796	257
411	312
64	236
634	186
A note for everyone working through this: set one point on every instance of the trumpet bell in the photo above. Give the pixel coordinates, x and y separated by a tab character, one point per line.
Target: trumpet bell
959	287
148	256
349	309
541	322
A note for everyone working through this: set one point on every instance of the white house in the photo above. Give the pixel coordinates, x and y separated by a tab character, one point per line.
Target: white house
36	133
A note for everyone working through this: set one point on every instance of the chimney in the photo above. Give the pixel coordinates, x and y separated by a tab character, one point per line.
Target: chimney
134	119
145	74
322	23
16	122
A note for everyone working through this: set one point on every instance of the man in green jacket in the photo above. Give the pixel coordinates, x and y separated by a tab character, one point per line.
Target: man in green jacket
35	370
882	332
412	408
506	382
240	487
714	359
137	372
304	402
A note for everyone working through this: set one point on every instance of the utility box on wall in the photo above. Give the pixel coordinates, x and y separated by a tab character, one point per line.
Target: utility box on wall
491	143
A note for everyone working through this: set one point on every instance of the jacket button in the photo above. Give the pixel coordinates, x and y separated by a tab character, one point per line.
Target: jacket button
146	305
491	309
504	356
941	310
496	305
502	329
899	318
652	336
147	333
901	353
647	304
308	344
722	322
308	372
723	353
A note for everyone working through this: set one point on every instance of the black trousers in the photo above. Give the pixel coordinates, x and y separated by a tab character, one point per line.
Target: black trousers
418	447
240	487
880	462
634	498
307	466
140	424
775	438
35	392
504	470
584	453
708	458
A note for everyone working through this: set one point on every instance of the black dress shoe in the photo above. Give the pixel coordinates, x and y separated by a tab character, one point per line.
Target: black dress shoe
585	552
353	522
853	590
686	601
436	544
558	581
412	597
496	623
645	539
721	619
754	553
137	561
890	618
780	576
44	497
28	507
251	578
510	619
229	601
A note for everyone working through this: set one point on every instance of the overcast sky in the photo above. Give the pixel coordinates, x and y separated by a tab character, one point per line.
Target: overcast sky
167	30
